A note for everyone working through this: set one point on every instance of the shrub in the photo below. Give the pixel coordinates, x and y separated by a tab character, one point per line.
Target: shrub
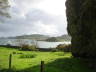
28	56
54	50
14	52
60	54
27	47
67	48
33	48
17	52
63	47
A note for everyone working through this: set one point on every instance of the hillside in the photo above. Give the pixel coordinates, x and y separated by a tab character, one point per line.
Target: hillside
33	36
23	61
64	38
52	39
59	38
41	37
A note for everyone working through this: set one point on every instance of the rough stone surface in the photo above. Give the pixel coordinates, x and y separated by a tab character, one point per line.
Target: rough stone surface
81	17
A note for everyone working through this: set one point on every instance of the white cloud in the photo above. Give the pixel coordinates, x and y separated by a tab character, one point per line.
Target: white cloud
47	29
36	16
55	7
24	6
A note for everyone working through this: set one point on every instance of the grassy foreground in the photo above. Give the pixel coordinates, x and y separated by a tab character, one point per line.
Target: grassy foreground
54	61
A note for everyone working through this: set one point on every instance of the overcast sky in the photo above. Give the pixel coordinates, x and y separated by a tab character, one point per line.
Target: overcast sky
46	17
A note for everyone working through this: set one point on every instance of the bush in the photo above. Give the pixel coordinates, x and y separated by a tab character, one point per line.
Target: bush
33	48
54	50
28	56
27	47
14	52
60	53
63	47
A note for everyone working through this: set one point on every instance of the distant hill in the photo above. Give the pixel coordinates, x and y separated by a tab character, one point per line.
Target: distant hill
59	38
42	37
64	38
52	39
33	36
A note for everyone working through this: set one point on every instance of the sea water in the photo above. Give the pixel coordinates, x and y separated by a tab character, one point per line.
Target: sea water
39	44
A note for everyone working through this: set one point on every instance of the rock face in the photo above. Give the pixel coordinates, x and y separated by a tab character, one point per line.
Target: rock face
81	17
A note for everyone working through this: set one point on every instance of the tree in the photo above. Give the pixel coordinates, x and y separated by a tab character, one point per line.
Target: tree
4	9
81	17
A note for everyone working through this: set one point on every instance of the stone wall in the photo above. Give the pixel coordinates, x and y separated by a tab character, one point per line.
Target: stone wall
81	17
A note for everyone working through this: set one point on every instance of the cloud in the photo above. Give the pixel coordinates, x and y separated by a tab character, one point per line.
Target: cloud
23	6
38	15
28	18
55	7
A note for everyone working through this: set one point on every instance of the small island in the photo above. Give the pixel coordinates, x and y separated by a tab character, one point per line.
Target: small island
52	39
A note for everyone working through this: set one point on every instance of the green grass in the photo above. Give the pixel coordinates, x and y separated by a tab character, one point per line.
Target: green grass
28	55
54	61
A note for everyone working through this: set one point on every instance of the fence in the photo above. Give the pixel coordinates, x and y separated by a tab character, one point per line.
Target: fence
42	65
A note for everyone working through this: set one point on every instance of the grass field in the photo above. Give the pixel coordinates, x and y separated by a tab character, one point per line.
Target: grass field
29	61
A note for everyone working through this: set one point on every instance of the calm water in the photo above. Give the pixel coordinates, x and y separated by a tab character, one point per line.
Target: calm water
40	44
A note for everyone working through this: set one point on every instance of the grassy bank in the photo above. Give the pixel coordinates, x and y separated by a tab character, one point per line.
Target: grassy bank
29	61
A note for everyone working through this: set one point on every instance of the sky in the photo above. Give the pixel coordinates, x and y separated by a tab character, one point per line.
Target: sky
47	17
